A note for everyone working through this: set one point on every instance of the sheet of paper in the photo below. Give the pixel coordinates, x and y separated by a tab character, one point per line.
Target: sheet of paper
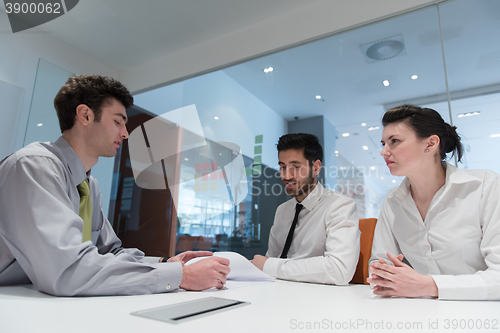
241	268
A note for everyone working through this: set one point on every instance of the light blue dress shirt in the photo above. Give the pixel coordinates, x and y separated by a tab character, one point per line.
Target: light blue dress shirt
41	231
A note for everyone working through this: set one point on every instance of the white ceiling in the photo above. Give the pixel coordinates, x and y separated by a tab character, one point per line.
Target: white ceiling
153	28
352	88
334	67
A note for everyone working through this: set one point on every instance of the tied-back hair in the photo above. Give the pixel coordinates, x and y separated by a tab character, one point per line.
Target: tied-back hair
426	122
308	142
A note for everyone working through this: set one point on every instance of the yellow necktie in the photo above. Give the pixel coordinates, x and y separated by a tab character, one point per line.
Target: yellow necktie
85	209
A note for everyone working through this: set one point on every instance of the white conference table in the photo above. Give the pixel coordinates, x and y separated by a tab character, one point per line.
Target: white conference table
278	306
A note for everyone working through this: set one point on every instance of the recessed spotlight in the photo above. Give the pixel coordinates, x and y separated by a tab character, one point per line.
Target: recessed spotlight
216	118
365	147
318	97
39	124
372	168
414	77
345	134
468	114
386	83
268	70
373	128
495	136
336	152
186	159
363	124
393	181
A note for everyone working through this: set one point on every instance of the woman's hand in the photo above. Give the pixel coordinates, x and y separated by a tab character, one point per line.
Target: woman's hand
400	279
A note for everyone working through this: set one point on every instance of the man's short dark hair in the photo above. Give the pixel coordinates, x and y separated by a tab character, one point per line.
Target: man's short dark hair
91	90
308	142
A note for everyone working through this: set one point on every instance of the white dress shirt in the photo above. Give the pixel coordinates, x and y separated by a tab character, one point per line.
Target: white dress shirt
41	231
325	245
458	243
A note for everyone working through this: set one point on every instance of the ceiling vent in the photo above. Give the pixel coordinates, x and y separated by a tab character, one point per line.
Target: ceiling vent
384	49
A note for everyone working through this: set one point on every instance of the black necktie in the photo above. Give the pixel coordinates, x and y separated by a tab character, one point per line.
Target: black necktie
289	238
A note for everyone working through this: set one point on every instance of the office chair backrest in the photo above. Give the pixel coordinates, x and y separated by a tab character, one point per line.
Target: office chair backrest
367	228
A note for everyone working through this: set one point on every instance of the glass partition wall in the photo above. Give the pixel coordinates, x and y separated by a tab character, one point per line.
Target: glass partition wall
445	56
472	53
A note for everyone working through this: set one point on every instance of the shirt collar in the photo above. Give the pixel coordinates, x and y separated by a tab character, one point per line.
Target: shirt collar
72	161
454	176
313	198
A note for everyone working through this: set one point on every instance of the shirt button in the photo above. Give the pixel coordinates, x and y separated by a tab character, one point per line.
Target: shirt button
168	286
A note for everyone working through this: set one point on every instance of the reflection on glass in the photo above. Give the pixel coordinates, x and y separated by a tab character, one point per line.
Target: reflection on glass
347	72
470	33
49	79
165	154
183	184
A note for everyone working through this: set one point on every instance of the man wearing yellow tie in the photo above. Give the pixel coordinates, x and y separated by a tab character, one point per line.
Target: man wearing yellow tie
53	232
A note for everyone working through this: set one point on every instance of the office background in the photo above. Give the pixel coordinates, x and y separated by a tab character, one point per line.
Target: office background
337	66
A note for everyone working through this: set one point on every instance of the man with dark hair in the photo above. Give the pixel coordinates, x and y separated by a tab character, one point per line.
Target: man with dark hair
315	235
91	90
53	232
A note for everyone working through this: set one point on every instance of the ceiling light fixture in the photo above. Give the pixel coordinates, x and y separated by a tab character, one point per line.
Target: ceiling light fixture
372	168
468	114
345	134
386	83
216	118
365	147
268	70
336	152
393	181
186	159
363	124
318	97
495	136
39	125
373	128
414	77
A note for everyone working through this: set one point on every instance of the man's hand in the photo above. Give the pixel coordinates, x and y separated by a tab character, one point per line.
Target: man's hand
400	279
184	257
259	261
204	274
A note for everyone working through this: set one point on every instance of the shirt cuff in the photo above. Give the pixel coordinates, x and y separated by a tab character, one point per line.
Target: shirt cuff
151	260
169	276
271	266
461	287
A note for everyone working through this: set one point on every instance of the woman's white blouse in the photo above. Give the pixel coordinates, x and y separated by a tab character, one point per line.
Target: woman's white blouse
458	243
